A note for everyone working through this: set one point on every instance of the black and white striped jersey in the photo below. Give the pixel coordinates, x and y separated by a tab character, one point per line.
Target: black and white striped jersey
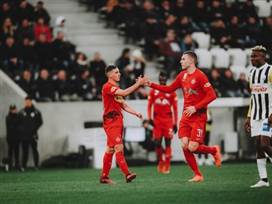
260	80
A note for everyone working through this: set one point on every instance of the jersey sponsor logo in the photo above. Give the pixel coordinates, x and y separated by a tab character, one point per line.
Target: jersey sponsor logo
191	91
118	139
207	84
162	101
167	95
259	88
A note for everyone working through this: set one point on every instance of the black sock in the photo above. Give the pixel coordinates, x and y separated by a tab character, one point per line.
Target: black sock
265	179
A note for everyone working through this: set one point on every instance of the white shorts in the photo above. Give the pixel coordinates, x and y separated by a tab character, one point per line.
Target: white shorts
260	127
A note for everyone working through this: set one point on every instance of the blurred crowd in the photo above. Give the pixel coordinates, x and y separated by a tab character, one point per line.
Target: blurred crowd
38	55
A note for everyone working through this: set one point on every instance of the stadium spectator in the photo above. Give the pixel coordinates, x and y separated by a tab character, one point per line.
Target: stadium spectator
184	26
180	9
198	93
237	32
259	118
7	30
253	28
63	86
170	49
6	12
243	85
13	137
43	50
62	51
41	28
217	9
138	63
27	53
113	122
162	112
80	64
216	81
40	11
29	123
26	83
97	70
25	30
44	87
85	86
220	33
165	9
201	16
123	60
230	85
188	43
60	27
24	10
267	30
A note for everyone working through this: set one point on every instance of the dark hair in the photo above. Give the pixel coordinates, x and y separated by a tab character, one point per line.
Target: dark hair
12	107
28	98
109	68
163	74
191	54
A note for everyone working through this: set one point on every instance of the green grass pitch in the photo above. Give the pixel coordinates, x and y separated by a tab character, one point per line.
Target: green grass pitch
229	184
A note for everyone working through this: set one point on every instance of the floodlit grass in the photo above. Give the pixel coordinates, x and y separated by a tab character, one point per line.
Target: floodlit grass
229	184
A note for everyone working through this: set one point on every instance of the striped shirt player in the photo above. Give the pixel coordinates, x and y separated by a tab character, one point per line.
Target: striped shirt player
259	117
260	80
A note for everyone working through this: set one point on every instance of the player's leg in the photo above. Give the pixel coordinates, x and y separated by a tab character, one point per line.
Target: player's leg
107	162
157	135
265	145
261	164
121	161
168	155
198	135
159	153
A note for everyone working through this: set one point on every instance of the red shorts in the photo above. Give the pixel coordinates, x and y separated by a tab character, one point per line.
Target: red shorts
193	129
163	130
114	130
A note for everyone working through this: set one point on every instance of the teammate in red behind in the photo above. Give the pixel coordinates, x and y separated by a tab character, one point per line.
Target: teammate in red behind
197	93
162	111
114	103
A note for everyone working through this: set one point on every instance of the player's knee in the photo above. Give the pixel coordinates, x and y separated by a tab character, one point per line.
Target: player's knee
110	150
192	147
118	148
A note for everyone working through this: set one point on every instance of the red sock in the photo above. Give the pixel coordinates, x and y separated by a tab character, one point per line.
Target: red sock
107	160
121	161
206	149
190	158
168	152
159	152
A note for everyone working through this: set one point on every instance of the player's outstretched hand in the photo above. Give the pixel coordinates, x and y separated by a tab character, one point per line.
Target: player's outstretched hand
139	115
190	110
247	125
142	80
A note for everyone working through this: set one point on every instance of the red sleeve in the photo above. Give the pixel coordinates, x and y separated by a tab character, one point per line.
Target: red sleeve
168	88
210	94
150	104
175	108
110	89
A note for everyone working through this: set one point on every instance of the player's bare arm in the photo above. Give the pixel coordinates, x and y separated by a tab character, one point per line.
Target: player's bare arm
130	110
139	82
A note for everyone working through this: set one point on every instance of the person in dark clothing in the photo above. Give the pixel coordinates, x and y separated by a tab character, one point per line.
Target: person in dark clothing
45	87
27	83
13	141
30	121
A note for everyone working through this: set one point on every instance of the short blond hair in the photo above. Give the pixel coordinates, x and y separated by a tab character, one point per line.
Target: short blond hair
259	48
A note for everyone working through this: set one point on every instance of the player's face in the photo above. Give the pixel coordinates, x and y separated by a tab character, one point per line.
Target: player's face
185	61
115	74
257	58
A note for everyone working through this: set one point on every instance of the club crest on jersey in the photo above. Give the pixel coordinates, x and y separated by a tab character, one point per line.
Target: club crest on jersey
193	81
113	89
156	92
208	84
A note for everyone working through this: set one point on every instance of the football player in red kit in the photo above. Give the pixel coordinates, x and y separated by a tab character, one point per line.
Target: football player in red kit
197	93
114	103
162	111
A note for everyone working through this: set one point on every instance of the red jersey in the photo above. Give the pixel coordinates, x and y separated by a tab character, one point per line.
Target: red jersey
162	103
197	90
111	102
